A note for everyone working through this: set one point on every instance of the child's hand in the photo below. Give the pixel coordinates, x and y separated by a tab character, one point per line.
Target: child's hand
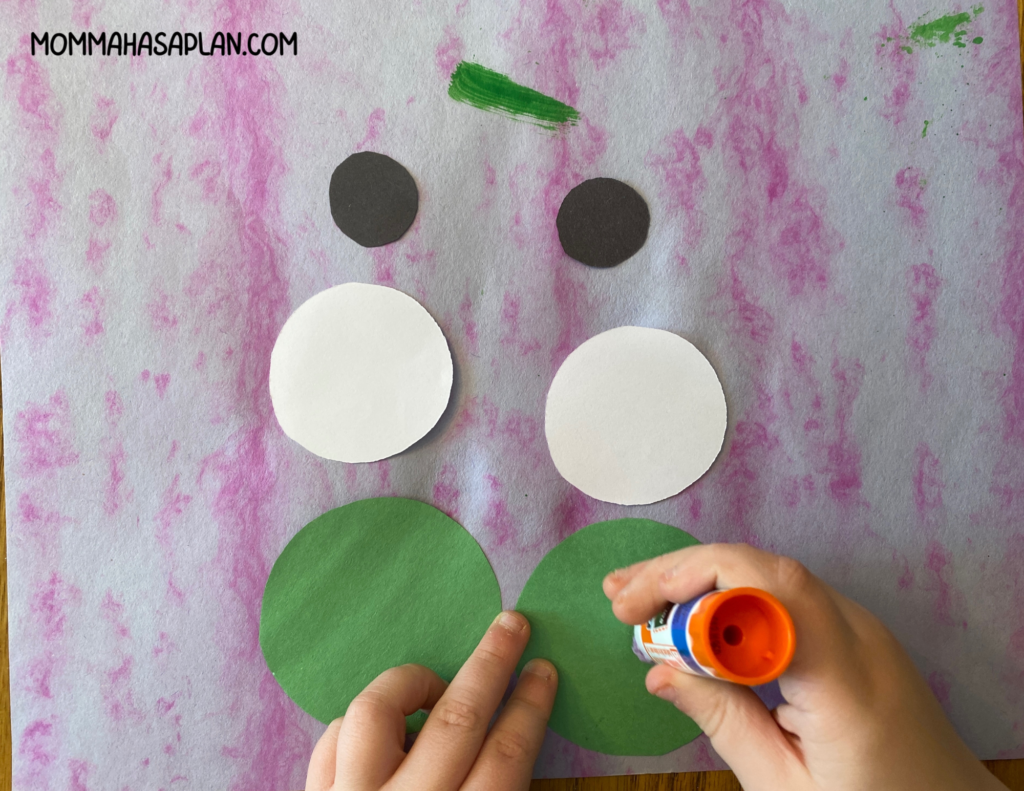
364	750
858	714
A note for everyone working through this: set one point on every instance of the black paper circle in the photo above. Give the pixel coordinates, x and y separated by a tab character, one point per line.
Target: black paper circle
602	222
373	199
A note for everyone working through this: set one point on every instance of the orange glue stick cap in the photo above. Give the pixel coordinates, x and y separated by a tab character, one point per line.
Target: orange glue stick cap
744	635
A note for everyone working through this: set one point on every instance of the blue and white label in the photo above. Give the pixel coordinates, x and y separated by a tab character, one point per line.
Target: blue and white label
665	639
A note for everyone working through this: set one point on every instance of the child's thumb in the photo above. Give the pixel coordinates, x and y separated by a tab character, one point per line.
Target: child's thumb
741	729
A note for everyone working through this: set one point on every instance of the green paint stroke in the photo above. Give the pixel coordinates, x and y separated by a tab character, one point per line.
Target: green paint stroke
924	133
946	29
484	89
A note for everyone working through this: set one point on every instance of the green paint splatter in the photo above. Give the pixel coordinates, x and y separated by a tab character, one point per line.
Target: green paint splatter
977	40
924	133
484	89
908	50
951	28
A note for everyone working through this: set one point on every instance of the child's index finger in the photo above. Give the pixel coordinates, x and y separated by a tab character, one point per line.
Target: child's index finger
641	596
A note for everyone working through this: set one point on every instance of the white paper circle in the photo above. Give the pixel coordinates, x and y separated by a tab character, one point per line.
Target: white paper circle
359	373
634	415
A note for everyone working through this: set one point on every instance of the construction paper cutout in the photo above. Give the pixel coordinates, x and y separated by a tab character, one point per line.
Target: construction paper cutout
485	89
373	199
369	586
602	704
359	373
634	415
602	222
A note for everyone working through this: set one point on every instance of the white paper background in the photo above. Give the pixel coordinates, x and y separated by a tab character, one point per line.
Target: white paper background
857	286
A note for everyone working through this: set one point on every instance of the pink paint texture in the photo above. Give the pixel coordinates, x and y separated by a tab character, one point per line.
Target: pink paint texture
928	485
446	493
574	512
550	33
910	186
103	119
36	295
609	29
44	435
760	148
49	606
924	287
161	312
38	750
384	265
512	337
1007	485
115	493
242	477
116	690
78	774
899	68
161	382
779	247
844	458
678	164
95	254
469	326
498	519
939	581
164	175
448	52
173	504
92	304
678	15
374	127
35	188
841	76
102	208
41	523
112	610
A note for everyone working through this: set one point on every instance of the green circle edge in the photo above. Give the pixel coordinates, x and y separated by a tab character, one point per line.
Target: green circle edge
323	684
586	713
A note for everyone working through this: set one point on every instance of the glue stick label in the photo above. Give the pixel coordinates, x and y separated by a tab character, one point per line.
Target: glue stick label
665	639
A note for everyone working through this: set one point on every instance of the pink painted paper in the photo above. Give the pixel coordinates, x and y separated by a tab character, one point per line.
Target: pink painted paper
855	276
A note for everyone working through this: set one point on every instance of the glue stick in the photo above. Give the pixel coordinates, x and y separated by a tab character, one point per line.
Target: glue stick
743	635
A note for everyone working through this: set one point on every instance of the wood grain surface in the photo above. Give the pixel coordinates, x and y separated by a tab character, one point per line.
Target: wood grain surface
1010	772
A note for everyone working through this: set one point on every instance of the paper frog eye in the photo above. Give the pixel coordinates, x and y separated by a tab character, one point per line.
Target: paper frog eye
373	199
635	415
602	222
359	373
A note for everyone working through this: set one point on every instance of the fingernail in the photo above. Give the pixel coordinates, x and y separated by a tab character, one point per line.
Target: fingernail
670	574
539	668
666	693
512	621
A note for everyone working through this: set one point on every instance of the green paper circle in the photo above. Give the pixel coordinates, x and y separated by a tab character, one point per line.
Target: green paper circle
369	586
602	703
